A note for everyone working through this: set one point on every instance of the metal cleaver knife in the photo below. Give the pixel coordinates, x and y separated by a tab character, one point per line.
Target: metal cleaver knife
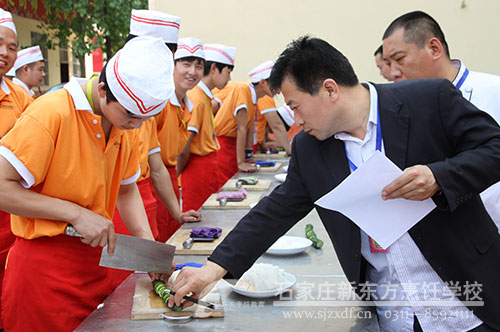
135	254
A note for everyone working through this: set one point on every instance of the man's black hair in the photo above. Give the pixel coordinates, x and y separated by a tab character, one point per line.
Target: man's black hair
220	67
102	78
171	46
379	50
192	59
308	62
418	28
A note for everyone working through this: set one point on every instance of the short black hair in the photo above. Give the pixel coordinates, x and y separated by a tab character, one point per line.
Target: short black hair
379	50
308	62
171	46
30	65
220	67
418	28
192	59
102	78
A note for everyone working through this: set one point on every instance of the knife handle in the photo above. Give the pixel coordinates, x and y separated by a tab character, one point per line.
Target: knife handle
71	231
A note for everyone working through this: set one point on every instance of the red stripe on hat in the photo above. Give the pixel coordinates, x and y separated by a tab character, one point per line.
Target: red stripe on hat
155	21
36	50
137	100
209	48
4	20
189	49
260	71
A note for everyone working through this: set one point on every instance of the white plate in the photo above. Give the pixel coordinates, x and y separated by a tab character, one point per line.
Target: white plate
291	280
280	177
289	245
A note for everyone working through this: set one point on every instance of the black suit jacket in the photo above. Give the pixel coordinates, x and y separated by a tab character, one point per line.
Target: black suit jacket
423	122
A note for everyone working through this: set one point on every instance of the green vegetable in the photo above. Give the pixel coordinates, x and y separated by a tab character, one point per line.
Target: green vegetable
160	289
311	235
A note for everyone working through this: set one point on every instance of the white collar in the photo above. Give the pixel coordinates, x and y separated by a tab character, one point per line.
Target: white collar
76	92
461	70
205	89
22	84
4	86
372	117
254	94
174	101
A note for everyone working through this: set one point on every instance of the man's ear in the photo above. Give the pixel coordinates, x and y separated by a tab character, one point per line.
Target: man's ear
435	48
100	90
331	87
213	67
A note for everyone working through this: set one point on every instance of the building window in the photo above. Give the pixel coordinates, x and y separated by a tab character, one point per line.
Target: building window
64	64
78	67
35	40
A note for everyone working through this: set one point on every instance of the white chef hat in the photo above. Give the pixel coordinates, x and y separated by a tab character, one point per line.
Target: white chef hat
261	72
188	47
286	114
140	75
220	53
27	56
153	23
6	20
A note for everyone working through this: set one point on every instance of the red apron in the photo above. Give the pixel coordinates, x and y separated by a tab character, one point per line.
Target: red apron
146	189
52	284
6	241
166	224
226	158
200	179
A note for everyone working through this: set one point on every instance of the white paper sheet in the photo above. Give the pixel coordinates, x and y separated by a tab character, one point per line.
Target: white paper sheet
359	197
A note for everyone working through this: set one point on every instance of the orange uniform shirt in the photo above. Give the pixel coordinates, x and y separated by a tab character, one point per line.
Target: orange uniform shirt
202	121
59	149
235	96
148	145
264	105
172	129
13	101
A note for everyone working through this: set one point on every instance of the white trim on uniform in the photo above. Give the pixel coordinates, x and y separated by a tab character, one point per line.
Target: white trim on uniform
239	107
76	92
132	179
254	94
5	87
154	150
174	101
193	129
205	89
28	178
267	110
23	85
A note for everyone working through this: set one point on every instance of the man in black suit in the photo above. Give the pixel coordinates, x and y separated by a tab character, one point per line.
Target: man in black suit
449	151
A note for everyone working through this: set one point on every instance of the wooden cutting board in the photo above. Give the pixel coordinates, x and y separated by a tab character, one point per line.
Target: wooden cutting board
275	168
281	154
213	204
147	305
198	248
261	185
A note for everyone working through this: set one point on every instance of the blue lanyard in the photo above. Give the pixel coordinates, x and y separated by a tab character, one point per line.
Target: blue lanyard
462	79
378	143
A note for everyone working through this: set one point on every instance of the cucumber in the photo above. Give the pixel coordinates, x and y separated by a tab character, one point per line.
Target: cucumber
311	235
160	289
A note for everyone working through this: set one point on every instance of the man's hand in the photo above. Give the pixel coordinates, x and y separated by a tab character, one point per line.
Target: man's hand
189	216
162	276
95	229
246	167
198	281
417	183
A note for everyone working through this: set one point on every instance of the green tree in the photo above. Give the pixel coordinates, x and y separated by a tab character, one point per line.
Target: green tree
93	24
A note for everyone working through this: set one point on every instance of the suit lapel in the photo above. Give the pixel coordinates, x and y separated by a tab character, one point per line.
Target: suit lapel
394	123
333	153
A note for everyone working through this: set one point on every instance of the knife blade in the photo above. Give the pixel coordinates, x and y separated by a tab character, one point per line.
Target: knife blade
135	254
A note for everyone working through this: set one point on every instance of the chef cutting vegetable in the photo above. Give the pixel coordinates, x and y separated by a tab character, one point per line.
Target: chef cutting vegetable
70	158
